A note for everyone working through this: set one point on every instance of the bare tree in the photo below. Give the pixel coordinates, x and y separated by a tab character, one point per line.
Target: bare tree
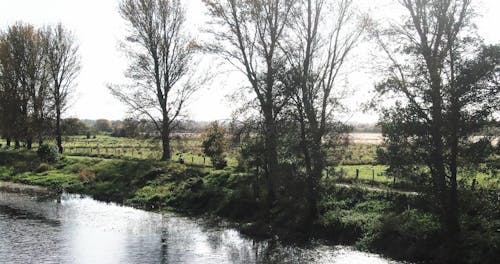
248	35
162	65
323	37
63	65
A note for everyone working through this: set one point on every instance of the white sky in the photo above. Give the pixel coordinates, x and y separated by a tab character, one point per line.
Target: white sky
98	28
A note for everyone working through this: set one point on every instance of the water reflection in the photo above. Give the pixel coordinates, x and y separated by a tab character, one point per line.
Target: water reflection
82	230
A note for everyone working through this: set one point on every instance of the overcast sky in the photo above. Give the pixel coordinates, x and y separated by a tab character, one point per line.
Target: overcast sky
98	28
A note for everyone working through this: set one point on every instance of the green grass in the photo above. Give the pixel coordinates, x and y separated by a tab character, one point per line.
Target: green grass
356	154
347	174
362	157
113	147
366	172
384	221
49	179
190	148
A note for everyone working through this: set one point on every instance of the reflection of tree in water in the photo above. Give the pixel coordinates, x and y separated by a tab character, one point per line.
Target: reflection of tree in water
273	251
20	214
230	243
164	246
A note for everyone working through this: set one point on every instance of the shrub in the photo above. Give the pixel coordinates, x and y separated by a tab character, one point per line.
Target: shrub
86	175
214	145
48	153
43	167
412	234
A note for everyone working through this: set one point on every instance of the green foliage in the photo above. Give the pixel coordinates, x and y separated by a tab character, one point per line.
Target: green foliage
129	128
48	153
396	223
356	154
412	234
214	145
73	127
6	173
50	179
43	167
480	222
103	125
250	154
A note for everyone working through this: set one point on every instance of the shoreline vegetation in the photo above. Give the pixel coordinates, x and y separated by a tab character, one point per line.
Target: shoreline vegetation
284	164
398	224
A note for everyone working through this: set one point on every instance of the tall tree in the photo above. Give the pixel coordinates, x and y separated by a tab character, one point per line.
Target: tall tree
445	97
248	35
10	50
35	72
162	53
323	37
63	65
24	82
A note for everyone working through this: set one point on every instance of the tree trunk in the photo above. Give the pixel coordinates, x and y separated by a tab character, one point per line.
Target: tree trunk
271	168
17	144
8	142
454	226
58	130
29	143
310	158
449	213
165	139
317	171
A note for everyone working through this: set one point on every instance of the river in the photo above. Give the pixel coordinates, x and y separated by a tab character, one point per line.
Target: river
80	229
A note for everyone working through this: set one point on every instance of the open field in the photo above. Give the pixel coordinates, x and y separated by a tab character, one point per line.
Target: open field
357	156
127	148
188	146
373	139
376	175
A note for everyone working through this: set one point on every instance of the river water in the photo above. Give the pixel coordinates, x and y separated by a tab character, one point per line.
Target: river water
82	230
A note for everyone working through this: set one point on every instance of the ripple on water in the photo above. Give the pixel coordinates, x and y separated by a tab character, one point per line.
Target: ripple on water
82	230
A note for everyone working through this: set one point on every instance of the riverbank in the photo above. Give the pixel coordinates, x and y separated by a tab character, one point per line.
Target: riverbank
89	231
393	223
23	188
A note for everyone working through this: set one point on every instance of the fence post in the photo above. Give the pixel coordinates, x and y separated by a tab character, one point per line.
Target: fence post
357	173
373	175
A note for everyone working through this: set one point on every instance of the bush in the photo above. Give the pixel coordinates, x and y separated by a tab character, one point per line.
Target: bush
412	235
43	167
48	153
86	175
214	145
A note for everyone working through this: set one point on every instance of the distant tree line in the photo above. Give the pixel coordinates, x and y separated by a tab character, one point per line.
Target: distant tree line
128	127
37	71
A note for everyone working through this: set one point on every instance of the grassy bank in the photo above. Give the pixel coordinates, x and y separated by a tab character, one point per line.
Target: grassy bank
394	223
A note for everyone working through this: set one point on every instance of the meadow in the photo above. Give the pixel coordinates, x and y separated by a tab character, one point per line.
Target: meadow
357	164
